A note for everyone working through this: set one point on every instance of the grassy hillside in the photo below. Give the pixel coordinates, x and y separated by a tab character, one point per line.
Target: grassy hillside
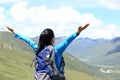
8	41
16	57
76	75
15	65
77	65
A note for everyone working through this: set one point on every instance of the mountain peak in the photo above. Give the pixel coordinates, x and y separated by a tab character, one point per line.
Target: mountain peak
116	39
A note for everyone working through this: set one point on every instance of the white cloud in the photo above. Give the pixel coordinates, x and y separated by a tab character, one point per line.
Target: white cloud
58	19
106	31
108	4
114	30
2	18
9	1
30	21
111	4
19	12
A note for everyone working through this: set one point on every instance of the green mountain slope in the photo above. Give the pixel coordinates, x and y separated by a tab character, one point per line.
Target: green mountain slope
76	75
16	57
15	65
8	41
77	65
99	55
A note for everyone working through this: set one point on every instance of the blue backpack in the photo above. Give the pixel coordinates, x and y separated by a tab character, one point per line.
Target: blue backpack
46	64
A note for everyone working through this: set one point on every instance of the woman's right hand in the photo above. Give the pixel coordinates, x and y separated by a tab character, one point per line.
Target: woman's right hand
10	29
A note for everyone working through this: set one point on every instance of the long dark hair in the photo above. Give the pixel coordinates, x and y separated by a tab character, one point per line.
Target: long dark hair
45	39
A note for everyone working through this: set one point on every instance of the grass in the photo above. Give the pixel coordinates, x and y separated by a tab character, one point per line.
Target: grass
15	65
76	75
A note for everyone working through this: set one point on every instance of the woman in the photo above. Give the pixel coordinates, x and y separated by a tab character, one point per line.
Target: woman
45	56
58	49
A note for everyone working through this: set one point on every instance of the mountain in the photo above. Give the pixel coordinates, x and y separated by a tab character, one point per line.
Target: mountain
7	40
15	61
103	53
115	41
82	44
101	56
16	66
78	45
106	53
95	51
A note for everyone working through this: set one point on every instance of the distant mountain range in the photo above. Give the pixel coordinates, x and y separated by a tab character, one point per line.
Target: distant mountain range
95	51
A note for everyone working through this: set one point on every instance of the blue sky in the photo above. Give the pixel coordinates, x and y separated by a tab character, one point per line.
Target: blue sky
30	17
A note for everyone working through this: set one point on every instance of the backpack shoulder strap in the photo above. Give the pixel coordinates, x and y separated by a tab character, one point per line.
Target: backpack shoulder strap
50	56
51	51
52	59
